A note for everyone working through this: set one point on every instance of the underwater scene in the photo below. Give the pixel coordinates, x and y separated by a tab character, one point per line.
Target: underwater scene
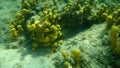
59	33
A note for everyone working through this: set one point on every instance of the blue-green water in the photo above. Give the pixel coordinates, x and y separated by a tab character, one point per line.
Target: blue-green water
83	28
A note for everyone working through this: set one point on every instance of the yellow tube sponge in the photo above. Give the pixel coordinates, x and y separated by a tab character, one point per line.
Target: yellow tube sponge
35	46
103	16
53	38
46	30
33	26
26	5
47	23
76	56
19	28
33	2
28	27
67	65
65	55
25	11
114	30
14	33
46	39
19	16
114	35
53	27
60	42
109	20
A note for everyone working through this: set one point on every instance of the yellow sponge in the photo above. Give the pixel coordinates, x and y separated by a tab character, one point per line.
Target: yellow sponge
109	20
114	36
76	55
